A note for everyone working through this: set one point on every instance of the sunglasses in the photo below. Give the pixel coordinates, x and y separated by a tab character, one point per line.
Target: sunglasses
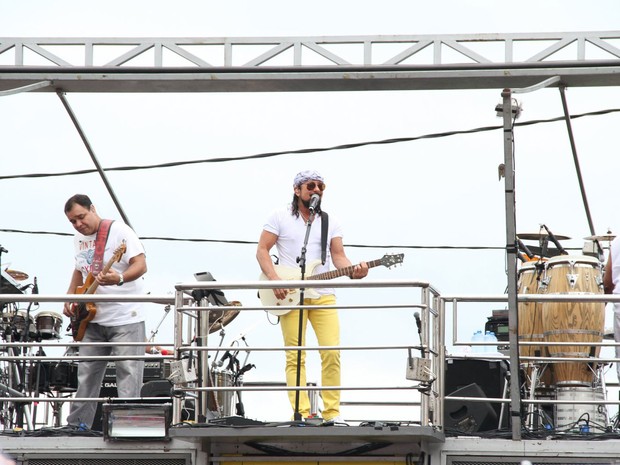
313	185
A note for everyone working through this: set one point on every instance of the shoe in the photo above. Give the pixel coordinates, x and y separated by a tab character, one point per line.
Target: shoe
336	421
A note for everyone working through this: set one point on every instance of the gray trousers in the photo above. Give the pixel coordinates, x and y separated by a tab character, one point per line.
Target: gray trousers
129	373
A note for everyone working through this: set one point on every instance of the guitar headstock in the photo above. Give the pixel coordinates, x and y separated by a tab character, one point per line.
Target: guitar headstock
118	253
390	260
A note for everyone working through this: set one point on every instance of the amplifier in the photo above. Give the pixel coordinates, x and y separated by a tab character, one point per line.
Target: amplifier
153	370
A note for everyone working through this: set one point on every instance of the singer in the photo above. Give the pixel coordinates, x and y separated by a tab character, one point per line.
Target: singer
115	322
286	230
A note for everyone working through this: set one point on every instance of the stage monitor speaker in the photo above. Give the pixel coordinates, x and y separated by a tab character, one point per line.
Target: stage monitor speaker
156	388
489	375
469	416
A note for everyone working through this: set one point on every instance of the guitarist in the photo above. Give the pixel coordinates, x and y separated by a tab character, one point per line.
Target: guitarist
113	322
286	229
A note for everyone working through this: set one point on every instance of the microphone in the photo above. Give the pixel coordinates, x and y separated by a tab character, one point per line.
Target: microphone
418	322
555	240
524	248
314	202
2	249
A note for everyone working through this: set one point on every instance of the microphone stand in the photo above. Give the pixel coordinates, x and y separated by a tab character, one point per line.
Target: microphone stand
302	265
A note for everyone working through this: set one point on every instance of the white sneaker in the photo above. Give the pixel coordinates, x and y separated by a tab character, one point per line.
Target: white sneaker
336	421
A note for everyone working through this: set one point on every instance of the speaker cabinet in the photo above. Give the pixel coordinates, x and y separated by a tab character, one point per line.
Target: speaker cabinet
475	378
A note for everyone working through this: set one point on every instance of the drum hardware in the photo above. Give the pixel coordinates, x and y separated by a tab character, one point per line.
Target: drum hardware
572	280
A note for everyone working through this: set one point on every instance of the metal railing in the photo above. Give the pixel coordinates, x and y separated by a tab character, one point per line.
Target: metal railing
190	325
191	342
426	357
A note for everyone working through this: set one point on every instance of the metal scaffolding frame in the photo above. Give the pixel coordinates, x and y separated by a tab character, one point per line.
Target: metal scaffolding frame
275	64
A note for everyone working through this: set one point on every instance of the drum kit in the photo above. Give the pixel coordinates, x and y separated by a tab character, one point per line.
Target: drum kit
23	377
549	272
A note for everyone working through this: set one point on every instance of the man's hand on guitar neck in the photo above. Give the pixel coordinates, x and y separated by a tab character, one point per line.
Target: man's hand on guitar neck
360	271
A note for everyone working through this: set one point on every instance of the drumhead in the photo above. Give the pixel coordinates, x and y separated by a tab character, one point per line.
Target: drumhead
22	314
48	313
572	259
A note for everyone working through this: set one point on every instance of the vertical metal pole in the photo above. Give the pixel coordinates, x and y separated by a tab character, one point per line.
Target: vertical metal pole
203	357
93	157
573	147
178	343
511	262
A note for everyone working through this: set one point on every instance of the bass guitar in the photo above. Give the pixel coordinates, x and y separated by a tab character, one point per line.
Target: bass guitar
268	298
84	312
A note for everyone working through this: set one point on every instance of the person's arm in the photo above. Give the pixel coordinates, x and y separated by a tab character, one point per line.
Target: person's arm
265	243
340	259
137	267
608	283
76	281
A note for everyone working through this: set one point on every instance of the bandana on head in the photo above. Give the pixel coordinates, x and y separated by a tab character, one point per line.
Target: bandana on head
305	176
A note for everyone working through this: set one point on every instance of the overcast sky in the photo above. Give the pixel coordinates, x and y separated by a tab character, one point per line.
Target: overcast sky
432	192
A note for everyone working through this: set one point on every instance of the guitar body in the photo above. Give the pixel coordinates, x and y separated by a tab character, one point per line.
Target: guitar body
287	273
268	298
83	313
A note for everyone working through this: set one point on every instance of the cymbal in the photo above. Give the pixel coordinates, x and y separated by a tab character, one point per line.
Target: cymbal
220	318
540	235
17	275
604	238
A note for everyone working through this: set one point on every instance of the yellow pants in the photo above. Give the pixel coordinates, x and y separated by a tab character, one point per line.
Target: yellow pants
327	329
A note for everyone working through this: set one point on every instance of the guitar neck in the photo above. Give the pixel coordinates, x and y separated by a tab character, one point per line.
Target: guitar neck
346	271
93	287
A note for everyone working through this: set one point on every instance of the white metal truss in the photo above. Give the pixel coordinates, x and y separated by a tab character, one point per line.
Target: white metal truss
310	63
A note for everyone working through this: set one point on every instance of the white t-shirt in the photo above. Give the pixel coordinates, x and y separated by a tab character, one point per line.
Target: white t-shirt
113	313
291	231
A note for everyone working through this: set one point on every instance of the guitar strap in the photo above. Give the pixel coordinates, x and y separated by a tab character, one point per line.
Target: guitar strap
324	227
100	241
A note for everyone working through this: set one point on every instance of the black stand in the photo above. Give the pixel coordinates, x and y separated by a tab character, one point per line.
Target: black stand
302	265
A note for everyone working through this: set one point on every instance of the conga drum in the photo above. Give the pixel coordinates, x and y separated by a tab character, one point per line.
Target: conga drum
573	321
530	328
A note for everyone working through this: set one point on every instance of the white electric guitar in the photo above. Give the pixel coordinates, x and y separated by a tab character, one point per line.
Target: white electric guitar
268	298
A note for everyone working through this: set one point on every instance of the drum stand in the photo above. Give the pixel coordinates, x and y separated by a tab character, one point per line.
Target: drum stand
22	409
535	411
